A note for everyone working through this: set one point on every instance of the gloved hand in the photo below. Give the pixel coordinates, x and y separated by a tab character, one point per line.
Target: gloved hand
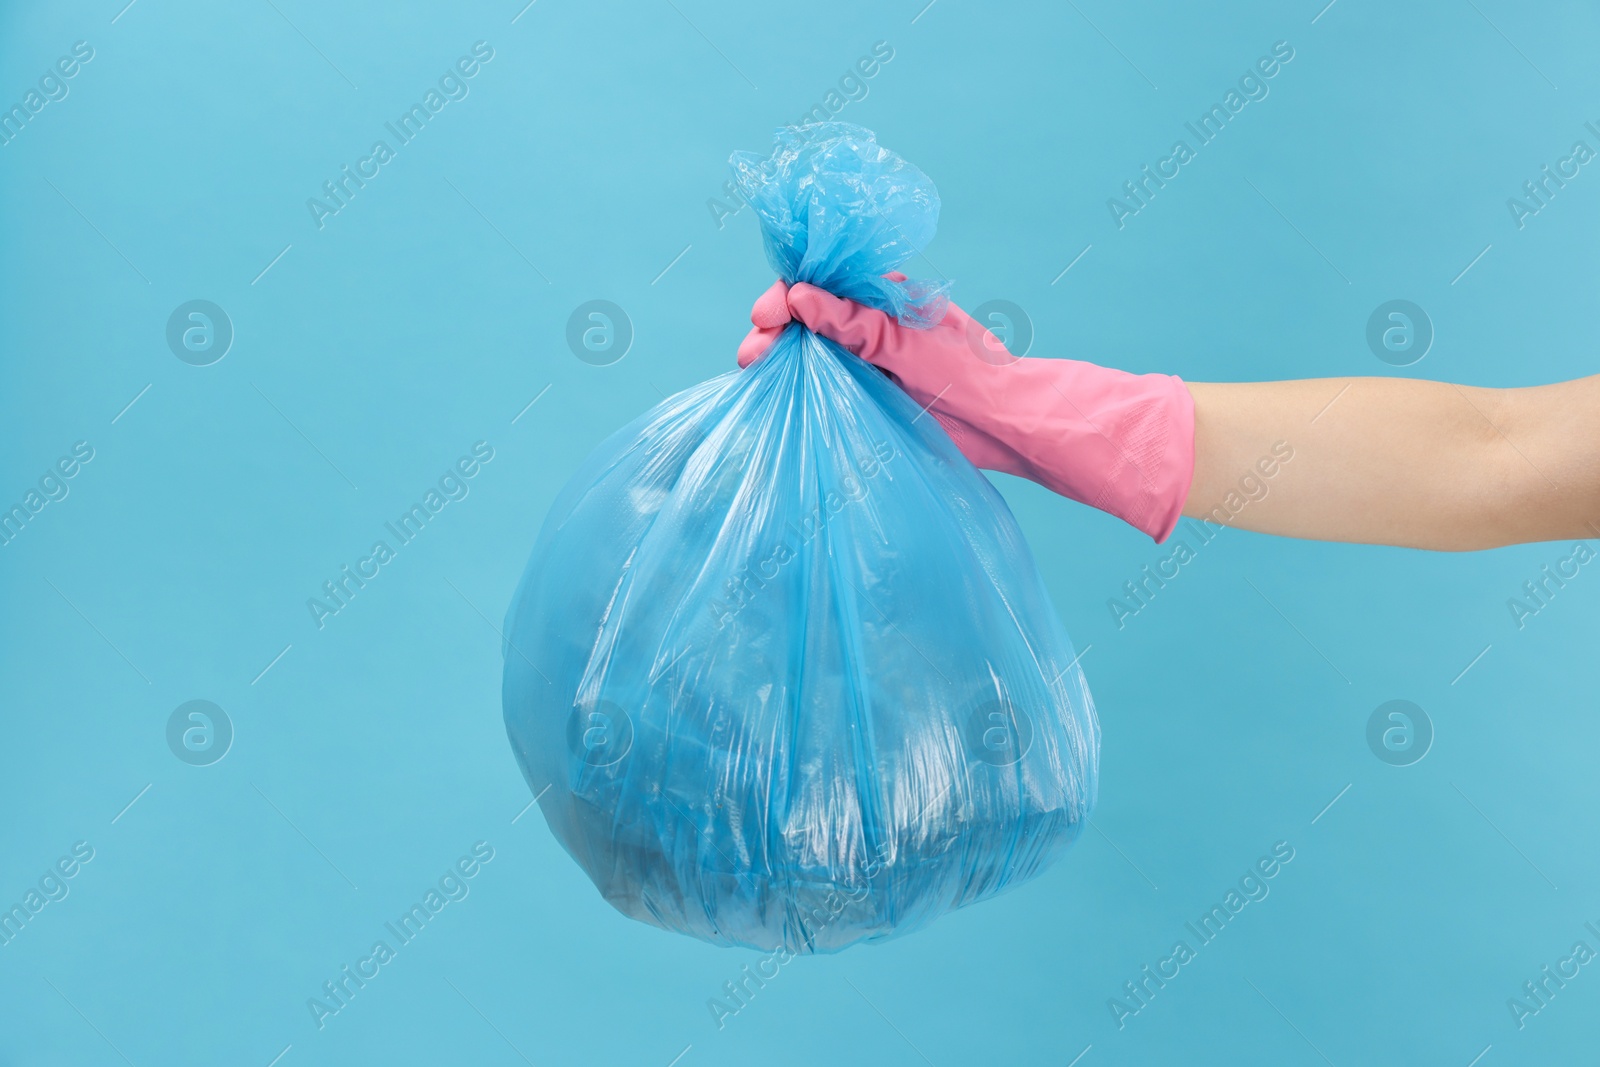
1120	442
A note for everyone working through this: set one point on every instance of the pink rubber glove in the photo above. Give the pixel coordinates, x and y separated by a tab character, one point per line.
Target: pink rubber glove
1120	442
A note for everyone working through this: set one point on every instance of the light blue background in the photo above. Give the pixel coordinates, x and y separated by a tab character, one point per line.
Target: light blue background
375	351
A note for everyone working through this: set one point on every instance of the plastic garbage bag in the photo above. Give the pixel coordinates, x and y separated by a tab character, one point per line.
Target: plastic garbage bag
781	669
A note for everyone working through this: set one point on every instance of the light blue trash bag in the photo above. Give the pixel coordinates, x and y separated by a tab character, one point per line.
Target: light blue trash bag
781	670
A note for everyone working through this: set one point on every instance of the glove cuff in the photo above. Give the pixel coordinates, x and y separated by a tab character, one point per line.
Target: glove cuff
1119	442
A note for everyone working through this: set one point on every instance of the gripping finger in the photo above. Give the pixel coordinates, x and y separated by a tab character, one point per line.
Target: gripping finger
867	332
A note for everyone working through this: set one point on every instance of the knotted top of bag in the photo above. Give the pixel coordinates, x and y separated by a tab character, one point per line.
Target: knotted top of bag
840	211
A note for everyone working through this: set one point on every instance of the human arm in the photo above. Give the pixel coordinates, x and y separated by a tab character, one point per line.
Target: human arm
1375	460
1399	461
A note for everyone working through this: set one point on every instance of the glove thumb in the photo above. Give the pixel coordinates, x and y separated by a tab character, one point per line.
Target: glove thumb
769	315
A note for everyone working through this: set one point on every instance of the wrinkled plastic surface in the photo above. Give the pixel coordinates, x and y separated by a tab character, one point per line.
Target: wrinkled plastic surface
781	669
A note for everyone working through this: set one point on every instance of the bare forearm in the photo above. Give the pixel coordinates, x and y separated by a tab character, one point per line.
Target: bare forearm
1400	461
